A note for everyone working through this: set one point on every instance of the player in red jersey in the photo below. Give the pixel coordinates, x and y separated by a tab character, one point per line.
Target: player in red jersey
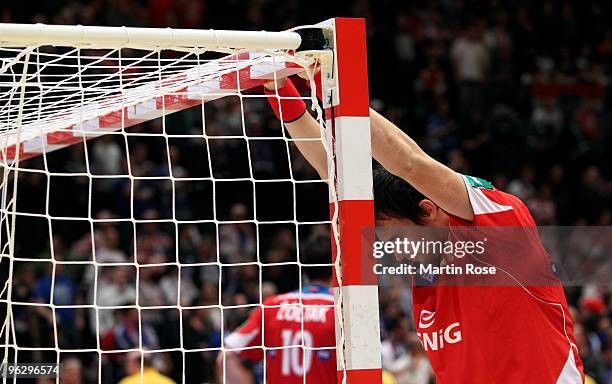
499	333
299	338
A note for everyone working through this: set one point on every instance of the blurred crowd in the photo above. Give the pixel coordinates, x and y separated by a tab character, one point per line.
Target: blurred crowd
514	92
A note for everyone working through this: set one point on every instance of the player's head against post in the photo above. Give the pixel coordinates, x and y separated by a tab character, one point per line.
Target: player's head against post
316	259
397	204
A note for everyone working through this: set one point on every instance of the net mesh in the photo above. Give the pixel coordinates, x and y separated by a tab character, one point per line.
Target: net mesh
151	230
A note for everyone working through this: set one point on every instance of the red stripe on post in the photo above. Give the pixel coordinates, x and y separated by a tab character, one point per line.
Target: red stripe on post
352	68
356	226
360	376
356	222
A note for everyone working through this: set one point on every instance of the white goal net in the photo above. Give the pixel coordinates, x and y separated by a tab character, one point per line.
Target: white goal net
150	199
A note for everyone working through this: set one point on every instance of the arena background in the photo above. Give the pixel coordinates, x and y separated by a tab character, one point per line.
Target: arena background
513	92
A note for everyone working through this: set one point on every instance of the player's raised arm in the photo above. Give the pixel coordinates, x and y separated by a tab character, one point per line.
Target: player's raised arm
299	123
402	156
391	147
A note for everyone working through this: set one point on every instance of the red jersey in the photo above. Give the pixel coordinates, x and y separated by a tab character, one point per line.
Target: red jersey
279	327
497	334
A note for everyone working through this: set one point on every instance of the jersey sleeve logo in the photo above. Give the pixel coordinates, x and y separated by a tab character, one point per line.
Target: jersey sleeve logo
426	319
477	182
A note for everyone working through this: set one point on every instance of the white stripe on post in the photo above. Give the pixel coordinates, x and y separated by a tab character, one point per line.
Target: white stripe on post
360	310
354	158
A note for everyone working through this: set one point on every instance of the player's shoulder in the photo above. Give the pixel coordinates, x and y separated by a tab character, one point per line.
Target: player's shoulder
275	300
489	202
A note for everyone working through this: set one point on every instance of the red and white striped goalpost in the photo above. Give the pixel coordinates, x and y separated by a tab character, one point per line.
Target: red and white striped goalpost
345	94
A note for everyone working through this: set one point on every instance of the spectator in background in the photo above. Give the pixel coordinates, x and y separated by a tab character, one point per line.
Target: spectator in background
107	156
129	332
154	244
441	131
24	282
177	169
604	49
458	162
106	240
588	119
593	363
499	42
71	371
207	253
405	43
140	370
150	294
542	206
105	243
169	284
547	116
595	191
115	287
244	283
403	355
284	276
470	63
237	241
523	187
189	237
65	294
431	82
608	361
546	128
140	161
200	332
209	293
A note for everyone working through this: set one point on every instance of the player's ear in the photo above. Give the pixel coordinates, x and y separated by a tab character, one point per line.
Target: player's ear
429	212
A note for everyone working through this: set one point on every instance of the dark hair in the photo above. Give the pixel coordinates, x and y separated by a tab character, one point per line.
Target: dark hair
317	250
395	198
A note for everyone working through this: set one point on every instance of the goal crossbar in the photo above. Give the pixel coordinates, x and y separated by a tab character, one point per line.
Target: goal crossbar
19	35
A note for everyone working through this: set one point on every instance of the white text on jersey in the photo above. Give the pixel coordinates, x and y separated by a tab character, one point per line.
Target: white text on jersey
436	340
294	313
